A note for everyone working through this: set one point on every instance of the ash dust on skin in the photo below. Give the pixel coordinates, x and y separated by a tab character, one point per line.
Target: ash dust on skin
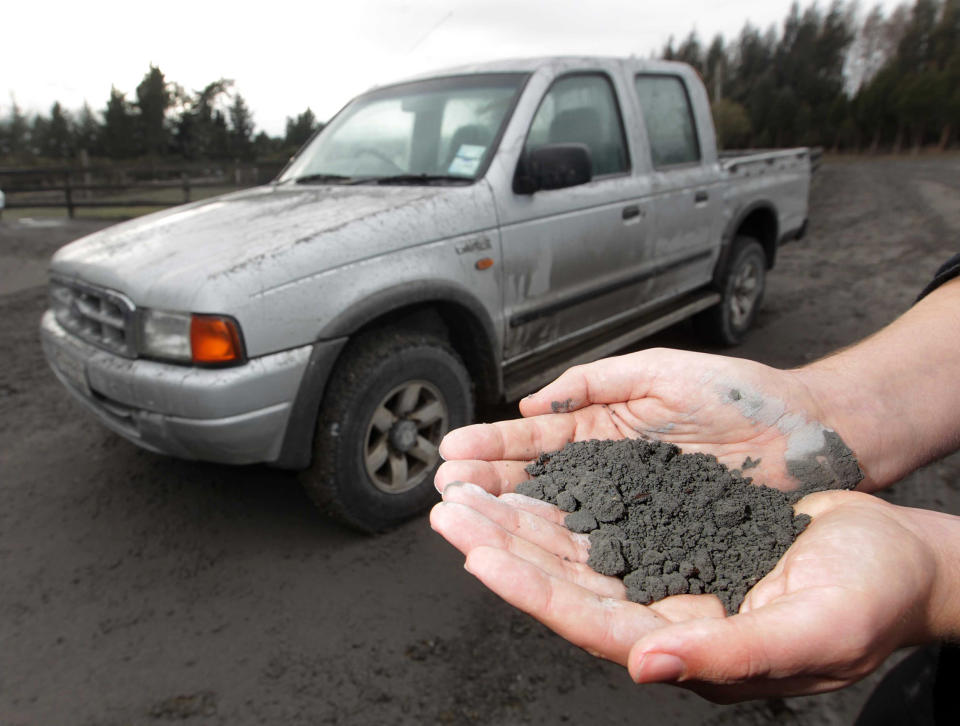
139	589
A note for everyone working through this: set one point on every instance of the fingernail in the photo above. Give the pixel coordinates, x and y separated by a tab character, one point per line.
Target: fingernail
436	485
452	484
660	667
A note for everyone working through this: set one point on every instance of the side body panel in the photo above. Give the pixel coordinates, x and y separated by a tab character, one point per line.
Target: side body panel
780	179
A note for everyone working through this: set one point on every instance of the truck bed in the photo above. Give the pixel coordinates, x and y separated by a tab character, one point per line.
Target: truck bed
750	160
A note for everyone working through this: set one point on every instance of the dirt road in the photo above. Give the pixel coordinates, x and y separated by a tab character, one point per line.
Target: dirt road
138	589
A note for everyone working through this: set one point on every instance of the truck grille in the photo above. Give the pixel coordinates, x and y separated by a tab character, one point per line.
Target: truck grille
99	316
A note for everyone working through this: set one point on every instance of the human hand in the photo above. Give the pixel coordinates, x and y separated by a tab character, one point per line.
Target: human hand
863	579
728	407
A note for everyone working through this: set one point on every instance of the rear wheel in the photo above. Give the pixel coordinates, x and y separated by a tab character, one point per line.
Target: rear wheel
742	286
391	399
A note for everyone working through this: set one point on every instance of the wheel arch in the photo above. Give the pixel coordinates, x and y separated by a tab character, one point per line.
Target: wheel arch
757	220
434	307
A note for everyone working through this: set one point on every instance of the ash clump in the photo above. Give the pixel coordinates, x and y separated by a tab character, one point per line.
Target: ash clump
667	523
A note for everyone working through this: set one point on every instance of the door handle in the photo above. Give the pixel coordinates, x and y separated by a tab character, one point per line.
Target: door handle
631	212
700	196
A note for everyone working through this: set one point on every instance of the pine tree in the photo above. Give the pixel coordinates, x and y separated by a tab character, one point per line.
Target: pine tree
153	100
58	141
300	129
118	126
241	129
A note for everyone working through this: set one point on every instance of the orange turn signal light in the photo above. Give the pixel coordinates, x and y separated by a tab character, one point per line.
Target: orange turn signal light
214	339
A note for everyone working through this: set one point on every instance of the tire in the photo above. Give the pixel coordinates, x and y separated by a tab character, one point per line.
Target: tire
742	286
390	400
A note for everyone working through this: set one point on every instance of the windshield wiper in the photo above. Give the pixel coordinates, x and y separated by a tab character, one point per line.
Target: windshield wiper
413	179
323	179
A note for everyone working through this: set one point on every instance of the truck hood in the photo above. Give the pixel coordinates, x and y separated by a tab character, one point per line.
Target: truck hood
206	256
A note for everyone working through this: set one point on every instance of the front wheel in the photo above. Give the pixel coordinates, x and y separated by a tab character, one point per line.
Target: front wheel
391	399
742	286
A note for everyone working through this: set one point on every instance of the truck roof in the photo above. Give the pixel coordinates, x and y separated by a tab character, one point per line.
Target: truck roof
553	63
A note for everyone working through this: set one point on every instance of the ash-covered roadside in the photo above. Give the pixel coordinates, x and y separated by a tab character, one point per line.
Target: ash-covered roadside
141	589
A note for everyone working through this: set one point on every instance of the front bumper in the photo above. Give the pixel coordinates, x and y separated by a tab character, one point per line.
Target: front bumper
228	415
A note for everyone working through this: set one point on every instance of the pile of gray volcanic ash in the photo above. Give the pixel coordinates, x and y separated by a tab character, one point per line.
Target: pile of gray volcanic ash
667	523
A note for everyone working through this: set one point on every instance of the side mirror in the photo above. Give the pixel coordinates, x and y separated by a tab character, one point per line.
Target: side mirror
553	166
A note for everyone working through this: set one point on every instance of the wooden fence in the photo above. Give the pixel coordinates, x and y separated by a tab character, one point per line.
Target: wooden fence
120	187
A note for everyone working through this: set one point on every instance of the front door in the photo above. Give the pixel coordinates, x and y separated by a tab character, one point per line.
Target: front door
570	254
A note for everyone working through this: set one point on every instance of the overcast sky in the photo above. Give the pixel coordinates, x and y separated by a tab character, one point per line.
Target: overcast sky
285	56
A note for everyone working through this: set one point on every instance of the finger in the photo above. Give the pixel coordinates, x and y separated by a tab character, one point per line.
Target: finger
603	626
790	638
800	686
536	506
520	439
819	503
496	477
680	608
550	536
542	524
609	380
466	529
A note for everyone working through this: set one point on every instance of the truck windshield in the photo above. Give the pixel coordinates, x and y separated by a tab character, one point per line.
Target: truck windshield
440	130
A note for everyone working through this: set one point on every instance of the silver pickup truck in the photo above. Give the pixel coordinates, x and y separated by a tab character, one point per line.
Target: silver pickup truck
457	237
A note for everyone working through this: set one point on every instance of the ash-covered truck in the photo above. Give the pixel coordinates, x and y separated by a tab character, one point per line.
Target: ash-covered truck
458	237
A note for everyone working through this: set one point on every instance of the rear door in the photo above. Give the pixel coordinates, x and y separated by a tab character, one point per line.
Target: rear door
685	185
569	253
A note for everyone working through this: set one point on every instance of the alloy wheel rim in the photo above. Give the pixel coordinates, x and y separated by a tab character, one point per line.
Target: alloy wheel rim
403	437
746	290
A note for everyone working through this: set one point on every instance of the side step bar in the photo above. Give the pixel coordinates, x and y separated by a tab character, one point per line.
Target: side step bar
529	375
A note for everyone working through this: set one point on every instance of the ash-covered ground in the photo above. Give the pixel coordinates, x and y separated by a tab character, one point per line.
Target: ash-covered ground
138	589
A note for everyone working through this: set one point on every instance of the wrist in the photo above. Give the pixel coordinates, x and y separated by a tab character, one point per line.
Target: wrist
892	397
847	404
940	534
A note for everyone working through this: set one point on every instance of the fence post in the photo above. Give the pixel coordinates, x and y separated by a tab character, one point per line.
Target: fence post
185	181
68	189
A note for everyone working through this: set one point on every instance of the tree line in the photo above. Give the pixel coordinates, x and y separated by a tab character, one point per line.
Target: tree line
830	78
162	121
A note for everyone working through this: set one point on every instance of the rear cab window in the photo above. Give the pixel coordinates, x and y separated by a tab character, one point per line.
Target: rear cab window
668	116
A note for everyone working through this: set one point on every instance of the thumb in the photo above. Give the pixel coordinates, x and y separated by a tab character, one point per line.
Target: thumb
609	380
780	640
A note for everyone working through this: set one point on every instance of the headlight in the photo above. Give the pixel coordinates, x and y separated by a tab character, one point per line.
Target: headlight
165	335
186	338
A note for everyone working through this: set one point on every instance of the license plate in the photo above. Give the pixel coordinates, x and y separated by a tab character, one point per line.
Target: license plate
71	368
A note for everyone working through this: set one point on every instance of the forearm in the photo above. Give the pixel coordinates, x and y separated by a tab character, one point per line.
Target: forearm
894	398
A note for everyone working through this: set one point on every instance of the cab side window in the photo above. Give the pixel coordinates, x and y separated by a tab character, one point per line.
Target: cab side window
669	120
583	109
